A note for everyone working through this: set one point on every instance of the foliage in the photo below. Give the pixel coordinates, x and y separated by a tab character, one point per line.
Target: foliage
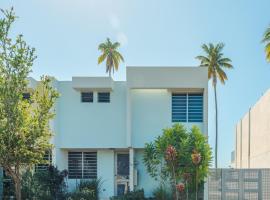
24	125
185	143
216	63
266	40
86	190
110	53
44	184
133	195
162	193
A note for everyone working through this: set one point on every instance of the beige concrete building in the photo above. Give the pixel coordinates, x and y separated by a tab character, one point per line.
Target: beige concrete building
252	146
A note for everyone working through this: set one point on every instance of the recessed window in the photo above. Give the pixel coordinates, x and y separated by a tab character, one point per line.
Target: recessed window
187	107
104	97
44	166
26	96
87	97
82	165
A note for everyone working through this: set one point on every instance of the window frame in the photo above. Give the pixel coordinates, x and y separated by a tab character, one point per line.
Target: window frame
92	168
91	97
187	107
103	99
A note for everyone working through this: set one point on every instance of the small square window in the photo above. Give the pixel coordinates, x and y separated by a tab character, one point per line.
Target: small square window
26	96
87	96
104	97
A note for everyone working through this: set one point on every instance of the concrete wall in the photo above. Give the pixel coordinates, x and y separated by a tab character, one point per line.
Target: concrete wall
252	145
91	125
151	113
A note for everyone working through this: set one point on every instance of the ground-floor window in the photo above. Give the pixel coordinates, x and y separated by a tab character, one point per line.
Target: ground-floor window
48	158
82	165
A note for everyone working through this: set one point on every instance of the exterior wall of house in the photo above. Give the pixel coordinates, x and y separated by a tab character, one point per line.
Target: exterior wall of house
139	109
252	146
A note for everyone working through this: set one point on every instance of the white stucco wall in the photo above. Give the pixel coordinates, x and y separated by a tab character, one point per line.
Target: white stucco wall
145	181
92	125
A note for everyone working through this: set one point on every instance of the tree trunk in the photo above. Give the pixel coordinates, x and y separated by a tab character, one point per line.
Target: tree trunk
216	143
17	186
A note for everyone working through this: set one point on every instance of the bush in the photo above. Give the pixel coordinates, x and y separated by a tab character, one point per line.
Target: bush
86	190
162	193
134	195
46	184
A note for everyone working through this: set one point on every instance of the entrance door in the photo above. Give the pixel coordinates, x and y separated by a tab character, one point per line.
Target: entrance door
122	173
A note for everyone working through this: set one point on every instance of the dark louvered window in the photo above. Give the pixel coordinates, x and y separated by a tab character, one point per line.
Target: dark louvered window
179	107
104	97
82	165
195	107
26	96
48	159
87	97
187	107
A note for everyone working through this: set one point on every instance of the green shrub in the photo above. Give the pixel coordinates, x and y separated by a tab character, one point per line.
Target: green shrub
47	184
134	195
86	190
162	193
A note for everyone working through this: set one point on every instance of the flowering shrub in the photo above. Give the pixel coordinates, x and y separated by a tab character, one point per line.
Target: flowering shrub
179	157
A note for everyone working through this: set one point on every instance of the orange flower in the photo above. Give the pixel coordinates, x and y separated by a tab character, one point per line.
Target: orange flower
196	157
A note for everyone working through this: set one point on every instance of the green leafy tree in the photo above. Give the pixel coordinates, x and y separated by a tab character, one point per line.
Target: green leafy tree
266	40
24	125
215	61
169	157
111	54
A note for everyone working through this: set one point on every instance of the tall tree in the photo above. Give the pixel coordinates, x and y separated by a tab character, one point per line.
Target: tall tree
24	124
266	40
216	63
110	53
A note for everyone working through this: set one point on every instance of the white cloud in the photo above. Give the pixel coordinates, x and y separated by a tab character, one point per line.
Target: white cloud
115	24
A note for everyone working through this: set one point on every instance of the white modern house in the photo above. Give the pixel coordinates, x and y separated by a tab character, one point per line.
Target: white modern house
102	125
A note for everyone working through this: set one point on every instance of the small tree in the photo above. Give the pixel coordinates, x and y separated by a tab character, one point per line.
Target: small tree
171	157
24	124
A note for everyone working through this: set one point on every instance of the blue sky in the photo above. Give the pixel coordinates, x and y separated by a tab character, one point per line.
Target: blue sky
66	34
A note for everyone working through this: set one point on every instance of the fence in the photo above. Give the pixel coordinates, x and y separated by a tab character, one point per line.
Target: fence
238	184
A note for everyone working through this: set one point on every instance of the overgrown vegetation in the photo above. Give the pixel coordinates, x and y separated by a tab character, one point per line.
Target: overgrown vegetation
133	195
179	157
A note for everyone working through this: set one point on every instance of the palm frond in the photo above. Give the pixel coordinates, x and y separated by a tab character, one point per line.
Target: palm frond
266	36
101	58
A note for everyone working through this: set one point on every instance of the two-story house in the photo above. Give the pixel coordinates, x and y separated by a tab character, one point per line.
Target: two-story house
102	125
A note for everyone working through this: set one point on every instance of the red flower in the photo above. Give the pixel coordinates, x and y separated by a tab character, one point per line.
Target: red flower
196	157
170	153
180	187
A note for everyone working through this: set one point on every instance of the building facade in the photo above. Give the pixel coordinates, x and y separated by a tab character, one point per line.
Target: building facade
101	125
252	136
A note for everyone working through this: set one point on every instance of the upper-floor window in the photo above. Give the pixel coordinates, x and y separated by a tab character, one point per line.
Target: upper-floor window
104	97
87	96
82	165
26	96
187	107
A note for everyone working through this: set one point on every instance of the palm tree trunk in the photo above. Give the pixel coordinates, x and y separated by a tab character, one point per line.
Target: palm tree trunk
216	142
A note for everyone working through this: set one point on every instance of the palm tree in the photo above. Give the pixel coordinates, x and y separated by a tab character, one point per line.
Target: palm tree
110	53
216	63
266	40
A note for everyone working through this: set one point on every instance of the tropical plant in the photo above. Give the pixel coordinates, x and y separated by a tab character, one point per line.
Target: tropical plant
132	195
24	125
162	193
44	184
266	40
215	61
86	190
110	53
169	158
